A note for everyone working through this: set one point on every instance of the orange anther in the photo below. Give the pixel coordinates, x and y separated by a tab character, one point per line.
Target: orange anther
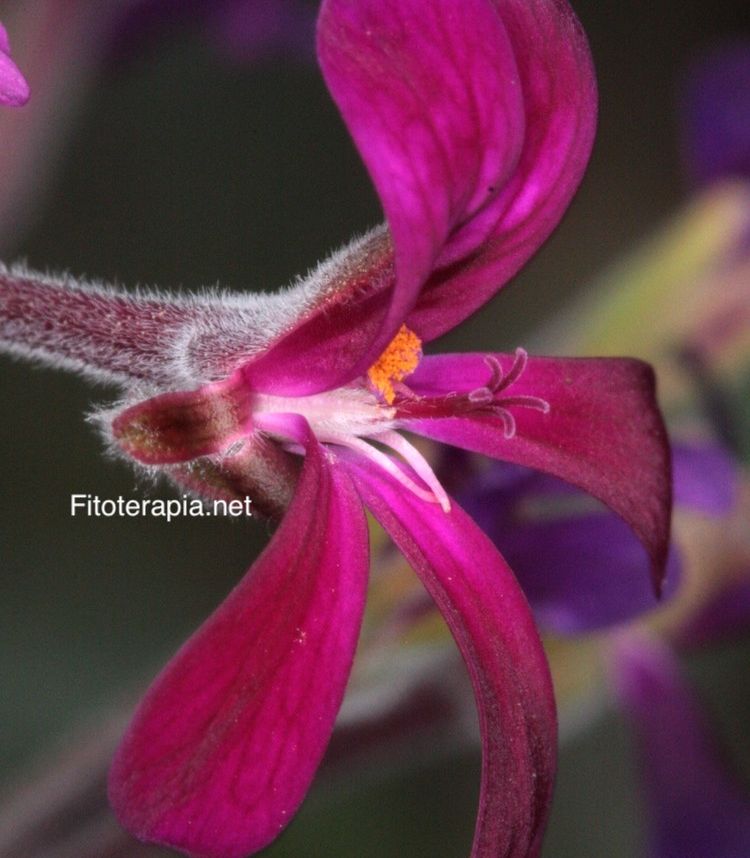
400	359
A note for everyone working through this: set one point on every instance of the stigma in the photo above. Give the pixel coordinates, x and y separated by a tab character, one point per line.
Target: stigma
491	398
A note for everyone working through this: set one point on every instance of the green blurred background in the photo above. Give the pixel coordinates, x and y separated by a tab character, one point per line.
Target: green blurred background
184	170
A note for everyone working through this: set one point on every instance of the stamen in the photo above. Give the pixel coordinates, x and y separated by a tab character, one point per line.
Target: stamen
355	417
385	462
496	371
413	457
403	391
400	359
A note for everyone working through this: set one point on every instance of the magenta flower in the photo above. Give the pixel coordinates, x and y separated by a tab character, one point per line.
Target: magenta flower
475	127
14	90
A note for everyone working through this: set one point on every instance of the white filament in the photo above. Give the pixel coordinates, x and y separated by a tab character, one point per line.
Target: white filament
385	462
351	417
421	466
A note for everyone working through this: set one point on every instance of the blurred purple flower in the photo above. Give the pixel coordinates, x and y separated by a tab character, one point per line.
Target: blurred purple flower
247	30
716	114
476	128
14	91
578	564
695	807
706	478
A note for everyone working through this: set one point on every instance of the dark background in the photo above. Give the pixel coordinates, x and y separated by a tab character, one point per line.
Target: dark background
184	170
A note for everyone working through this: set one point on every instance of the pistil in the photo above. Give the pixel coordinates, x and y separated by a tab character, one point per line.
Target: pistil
487	399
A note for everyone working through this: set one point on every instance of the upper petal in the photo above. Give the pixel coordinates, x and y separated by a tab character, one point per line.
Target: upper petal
558	86
603	433
491	622
225	744
430	93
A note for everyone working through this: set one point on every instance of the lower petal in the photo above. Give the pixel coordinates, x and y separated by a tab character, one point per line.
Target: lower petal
226	742
492	624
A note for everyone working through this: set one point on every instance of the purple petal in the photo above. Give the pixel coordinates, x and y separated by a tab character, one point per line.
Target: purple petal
696	808
603	432
62	47
559	96
431	96
706	478
14	91
580	566
491	622
716	114
226	742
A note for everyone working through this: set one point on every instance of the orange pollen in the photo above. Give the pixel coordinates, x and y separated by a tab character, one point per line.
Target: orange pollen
400	359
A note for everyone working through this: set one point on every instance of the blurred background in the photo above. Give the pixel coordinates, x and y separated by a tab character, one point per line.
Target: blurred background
183	160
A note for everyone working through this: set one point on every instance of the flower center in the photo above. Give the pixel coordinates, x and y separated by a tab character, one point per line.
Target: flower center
353	418
356	418
362	417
